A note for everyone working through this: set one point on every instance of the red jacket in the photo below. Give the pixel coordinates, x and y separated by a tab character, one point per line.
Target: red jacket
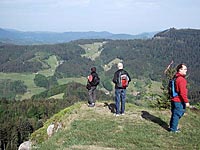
181	88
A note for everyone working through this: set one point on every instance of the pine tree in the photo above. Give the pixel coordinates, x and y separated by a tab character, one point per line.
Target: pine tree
164	100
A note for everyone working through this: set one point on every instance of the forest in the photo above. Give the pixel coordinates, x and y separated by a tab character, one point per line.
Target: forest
143	59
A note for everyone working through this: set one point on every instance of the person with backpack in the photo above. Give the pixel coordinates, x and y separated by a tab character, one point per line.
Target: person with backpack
121	80
180	101
93	81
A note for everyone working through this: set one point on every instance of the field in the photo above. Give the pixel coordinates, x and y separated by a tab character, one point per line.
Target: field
28	78
92	51
50	64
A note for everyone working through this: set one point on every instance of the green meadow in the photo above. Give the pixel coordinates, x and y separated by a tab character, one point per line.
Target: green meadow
98	129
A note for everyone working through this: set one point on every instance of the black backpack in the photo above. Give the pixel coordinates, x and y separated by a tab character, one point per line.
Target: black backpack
96	81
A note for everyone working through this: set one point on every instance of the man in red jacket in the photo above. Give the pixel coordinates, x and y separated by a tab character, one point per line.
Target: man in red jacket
180	102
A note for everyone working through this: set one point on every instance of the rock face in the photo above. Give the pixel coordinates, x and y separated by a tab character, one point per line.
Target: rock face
25	146
52	128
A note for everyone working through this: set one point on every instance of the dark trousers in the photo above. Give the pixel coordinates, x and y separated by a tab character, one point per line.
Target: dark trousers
92	95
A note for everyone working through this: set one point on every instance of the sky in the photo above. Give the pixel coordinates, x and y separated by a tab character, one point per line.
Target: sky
115	16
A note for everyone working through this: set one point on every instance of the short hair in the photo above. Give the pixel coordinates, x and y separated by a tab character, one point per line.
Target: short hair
93	69
120	66
180	66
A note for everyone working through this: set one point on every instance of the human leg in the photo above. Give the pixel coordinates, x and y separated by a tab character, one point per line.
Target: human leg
177	113
92	95
117	100
172	114
123	100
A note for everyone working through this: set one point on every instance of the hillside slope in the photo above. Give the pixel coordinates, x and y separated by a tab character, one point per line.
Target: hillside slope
97	129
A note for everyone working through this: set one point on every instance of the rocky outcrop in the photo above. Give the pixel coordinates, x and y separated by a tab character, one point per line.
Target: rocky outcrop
25	145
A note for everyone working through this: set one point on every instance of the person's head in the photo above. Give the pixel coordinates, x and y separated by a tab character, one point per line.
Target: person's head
120	66
182	69
93	69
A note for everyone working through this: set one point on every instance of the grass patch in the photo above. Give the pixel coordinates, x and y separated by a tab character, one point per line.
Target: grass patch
92	51
82	80
111	63
97	128
40	135
53	63
58	96
28	78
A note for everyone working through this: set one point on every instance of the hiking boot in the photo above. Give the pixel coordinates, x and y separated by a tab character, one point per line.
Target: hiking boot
177	131
91	105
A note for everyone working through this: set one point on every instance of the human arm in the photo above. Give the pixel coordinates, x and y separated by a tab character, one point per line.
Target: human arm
187	104
129	77
182	89
114	80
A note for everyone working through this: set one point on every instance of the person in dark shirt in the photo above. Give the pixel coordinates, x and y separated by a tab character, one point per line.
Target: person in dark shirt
93	81
120	91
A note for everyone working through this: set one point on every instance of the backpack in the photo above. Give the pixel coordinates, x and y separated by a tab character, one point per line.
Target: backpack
92	81
96	80
90	78
123	80
172	88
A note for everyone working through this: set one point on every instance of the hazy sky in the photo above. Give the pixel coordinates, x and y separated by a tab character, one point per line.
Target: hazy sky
116	16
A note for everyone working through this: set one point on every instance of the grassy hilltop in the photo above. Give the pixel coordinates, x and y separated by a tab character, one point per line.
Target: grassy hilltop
97	129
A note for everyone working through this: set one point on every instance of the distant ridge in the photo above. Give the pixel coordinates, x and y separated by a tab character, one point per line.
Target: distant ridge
181	34
29	38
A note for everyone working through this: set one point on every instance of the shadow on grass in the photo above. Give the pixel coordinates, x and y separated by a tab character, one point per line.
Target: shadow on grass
111	107
146	115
